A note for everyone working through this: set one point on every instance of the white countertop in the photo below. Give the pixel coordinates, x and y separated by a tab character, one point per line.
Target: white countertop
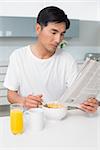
78	131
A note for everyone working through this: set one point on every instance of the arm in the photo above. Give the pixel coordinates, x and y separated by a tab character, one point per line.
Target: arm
29	102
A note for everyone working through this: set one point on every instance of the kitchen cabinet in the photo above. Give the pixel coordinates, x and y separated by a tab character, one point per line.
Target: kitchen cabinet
4	110
17	27
25	27
73	31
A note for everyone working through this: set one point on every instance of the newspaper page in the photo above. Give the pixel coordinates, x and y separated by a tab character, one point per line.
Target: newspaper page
86	84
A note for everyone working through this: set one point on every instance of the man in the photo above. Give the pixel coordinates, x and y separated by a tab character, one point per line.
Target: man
41	71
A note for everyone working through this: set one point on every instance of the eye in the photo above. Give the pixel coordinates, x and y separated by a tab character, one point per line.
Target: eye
53	32
62	34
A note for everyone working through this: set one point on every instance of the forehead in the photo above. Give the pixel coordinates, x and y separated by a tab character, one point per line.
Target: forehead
57	26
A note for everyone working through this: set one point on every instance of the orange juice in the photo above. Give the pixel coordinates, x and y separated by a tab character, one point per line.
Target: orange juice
16	121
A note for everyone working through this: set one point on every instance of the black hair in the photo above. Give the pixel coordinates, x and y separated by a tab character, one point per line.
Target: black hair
52	14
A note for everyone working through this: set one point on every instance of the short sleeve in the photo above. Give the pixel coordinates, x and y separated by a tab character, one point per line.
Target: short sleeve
12	76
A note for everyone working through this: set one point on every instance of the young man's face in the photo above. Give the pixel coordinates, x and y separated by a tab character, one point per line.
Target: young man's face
51	35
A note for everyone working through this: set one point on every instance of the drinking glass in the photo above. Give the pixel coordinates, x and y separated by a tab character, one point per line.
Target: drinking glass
16	118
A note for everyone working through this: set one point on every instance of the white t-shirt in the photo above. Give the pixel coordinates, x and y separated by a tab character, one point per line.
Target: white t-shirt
28	74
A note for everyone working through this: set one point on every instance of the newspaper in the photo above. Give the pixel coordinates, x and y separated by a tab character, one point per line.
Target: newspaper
86	84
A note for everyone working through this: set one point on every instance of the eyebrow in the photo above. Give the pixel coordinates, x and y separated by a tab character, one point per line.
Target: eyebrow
57	30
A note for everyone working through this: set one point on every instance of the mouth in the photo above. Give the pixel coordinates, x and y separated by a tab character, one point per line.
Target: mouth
54	46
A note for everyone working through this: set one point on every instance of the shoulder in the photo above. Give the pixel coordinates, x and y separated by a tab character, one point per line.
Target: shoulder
19	52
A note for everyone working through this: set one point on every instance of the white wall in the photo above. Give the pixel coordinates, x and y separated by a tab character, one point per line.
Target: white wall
79	9
20	8
76	9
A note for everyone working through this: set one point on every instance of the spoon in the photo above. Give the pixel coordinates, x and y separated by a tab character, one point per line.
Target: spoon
73	108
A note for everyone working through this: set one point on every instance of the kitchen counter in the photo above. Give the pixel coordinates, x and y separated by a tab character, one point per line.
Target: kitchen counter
78	131
4	110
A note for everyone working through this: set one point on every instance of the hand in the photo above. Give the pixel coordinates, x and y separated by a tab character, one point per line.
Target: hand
90	105
32	101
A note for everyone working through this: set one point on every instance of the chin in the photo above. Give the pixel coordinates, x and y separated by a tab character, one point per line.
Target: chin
52	50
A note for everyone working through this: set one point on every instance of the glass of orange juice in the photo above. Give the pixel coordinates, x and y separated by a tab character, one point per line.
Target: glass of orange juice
16	118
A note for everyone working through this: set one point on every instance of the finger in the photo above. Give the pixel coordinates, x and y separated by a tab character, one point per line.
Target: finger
88	108
30	105
93	100
91	104
35	98
40	95
38	98
88	111
34	102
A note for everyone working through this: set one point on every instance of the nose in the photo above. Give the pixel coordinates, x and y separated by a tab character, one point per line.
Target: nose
58	38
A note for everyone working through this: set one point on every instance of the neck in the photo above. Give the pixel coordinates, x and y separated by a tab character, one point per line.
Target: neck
40	52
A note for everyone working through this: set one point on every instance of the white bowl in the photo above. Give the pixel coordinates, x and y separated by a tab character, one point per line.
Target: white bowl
55	113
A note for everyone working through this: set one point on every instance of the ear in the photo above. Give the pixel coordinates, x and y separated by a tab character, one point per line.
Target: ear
38	28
